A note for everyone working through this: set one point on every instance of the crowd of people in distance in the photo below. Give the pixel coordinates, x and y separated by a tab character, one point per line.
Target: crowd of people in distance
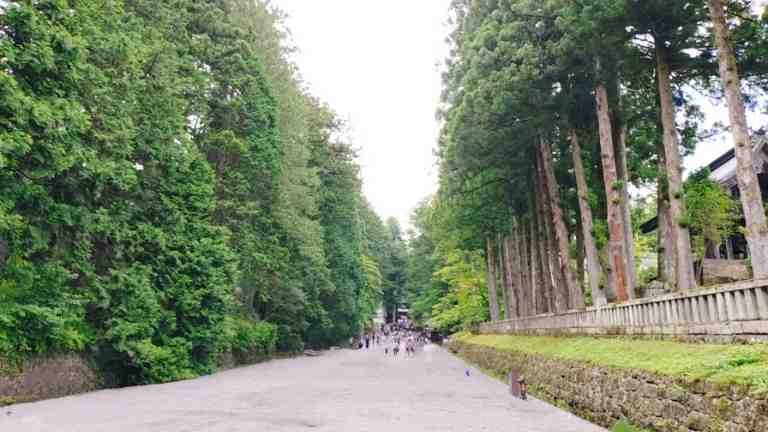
394	339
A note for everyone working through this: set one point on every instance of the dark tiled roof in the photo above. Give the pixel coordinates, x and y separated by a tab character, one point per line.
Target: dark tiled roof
651	224
721	160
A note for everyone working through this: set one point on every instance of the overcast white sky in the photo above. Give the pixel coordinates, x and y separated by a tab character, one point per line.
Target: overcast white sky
375	63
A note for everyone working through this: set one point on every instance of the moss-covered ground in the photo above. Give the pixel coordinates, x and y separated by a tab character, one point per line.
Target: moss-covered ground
623	426
723	364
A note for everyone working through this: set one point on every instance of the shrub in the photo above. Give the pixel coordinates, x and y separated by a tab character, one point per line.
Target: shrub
163	363
27	330
647	275
288	340
247	336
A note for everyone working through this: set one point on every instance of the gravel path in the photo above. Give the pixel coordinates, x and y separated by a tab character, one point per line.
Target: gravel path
355	391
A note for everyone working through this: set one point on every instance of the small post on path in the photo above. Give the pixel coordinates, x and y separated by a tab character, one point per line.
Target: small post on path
517	386
514	383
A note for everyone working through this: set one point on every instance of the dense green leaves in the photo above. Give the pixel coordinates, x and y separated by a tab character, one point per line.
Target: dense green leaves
446	284
712	213
521	82
169	191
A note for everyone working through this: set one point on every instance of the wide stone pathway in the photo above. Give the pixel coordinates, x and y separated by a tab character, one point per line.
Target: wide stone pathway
355	391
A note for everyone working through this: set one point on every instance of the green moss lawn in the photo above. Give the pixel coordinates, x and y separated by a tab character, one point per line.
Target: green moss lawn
723	364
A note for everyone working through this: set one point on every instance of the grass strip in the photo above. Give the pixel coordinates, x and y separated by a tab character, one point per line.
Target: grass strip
624	426
722	364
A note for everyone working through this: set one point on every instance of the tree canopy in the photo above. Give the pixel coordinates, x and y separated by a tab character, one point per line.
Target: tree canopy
550	111
170	191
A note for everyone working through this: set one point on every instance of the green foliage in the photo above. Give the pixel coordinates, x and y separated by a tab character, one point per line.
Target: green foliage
246	336
643	210
445	283
394	266
169	191
684	222
33	330
464	305
624	426
647	275
522	74
712	212
721	364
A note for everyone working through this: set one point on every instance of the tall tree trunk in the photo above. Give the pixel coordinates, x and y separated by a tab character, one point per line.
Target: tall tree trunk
4	251
516	247
528	270
619	131
629	245
540	302
665	242
507	276
515	273
493	303
562	302
585	212
501	276
542	243
729	249
574	293
581	256
749	188
685	277
561	289
613	196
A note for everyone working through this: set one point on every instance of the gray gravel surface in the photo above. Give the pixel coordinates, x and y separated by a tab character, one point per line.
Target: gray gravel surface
344	390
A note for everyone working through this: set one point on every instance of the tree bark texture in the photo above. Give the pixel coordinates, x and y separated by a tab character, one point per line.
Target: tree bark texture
585	212
528	270
685	278
536	272
493	303
574	293
581	271
516	246
501	275
4	251
749	188
629	244
613	197
515	273
508	281
619	136
665	241
559	284
541	240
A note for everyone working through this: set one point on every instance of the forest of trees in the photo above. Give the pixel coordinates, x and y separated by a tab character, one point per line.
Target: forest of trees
169	190
551	110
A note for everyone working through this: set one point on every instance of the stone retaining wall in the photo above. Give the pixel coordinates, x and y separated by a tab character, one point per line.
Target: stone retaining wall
49	377
69	374
230	360
606	395
735	312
